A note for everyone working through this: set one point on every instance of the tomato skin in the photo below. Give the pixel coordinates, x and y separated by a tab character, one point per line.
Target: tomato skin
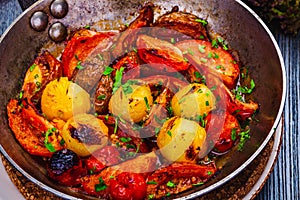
101	158
128	186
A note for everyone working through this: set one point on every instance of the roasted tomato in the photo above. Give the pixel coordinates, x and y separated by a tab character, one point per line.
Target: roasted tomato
177	177
222	130
238	108
212	59
101	158
66	167
165	55
128	186
79	47
185	23
44	69
126	39
35	134
143	165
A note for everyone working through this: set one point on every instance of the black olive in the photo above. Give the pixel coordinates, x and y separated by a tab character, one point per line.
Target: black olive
62	161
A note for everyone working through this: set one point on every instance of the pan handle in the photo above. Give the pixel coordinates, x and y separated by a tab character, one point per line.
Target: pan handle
26	3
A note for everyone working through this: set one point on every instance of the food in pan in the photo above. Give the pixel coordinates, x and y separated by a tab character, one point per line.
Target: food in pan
140	114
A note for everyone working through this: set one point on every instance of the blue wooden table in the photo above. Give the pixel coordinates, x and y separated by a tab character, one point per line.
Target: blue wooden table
283	183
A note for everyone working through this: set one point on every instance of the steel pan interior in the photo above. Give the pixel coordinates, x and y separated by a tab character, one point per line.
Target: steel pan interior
242	29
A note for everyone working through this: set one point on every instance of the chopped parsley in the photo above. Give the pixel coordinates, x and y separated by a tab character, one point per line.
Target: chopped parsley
202	48
151	182
171	184
169	133
244	90
202	21
198	184
79	66
203	60
233	134
245	136
31	68
190	51
101	185
214	44
173	41
125	139
21	95
147	103
101	97
108	70
100	56
47	144
207	103
118	79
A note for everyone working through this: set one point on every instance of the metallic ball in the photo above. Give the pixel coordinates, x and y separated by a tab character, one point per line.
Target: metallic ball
59	8
58	32
39	21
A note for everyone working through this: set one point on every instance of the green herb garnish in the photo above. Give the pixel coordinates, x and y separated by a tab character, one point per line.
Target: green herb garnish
118	79
171	184
101	185
204	22
108	70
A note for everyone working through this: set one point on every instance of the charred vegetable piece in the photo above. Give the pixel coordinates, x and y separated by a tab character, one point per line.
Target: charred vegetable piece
123	136
88	71
181	140
177	177
126	40
128	186
185	23
211	59
66	167
103	94
44	69
84	134
222	131
130	64
165	55
101	158
35	134
142	165
106	84
79	47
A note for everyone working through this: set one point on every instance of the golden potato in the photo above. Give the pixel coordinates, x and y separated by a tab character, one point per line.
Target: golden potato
132	103
192	101
181	140
85	134
62	99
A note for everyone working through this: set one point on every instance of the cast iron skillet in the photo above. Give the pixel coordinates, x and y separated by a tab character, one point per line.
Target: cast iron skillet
241	27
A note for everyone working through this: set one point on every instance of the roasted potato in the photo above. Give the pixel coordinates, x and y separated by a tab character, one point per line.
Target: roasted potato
62	99
84	134
181	140
193	101
131	102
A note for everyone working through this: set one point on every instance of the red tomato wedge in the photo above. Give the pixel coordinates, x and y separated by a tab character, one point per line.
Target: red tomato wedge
30	129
